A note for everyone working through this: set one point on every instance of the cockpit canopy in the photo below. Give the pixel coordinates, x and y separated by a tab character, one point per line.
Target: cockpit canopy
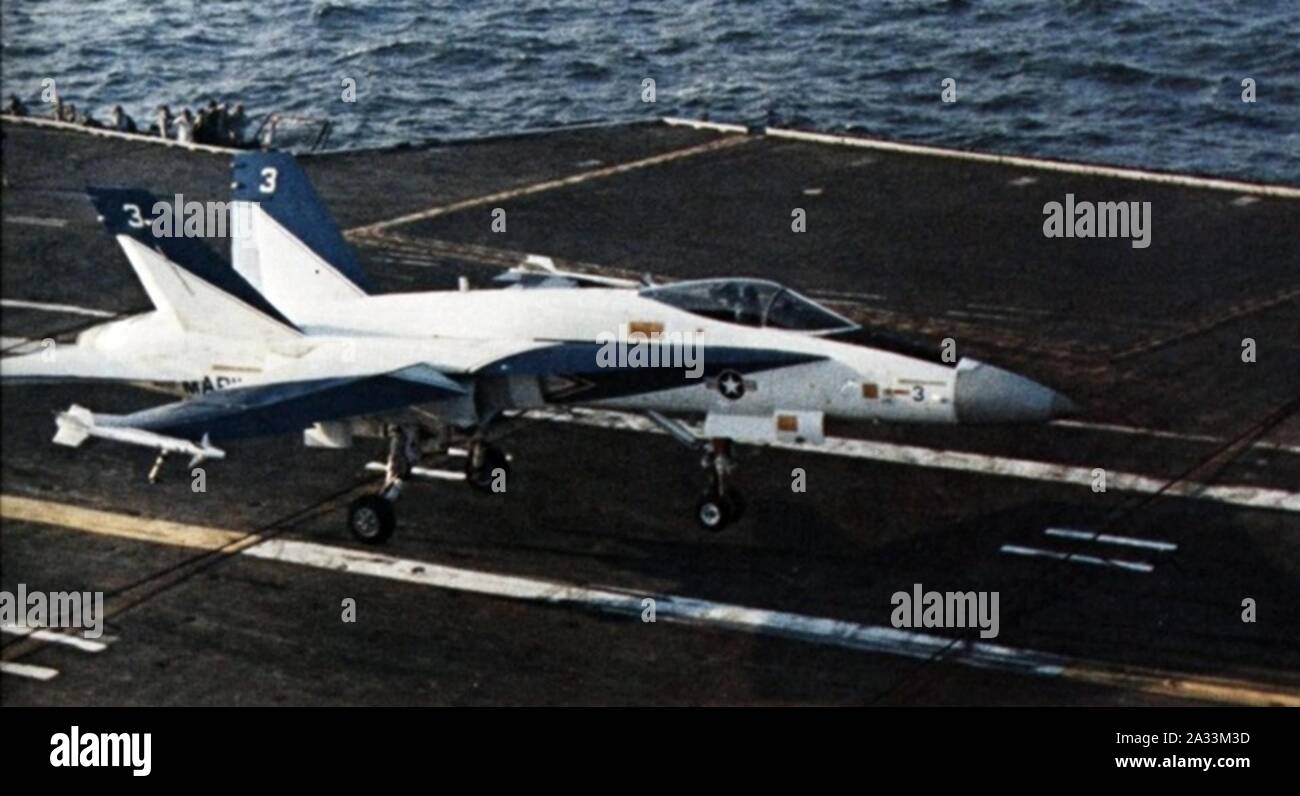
751	302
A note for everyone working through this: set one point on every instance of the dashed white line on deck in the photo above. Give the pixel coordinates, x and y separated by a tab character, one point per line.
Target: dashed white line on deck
1078	558
37	221
28	670
1106	538
55	637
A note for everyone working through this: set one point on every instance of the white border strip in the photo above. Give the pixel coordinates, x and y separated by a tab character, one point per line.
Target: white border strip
697	124
106	133
672	608
1116	172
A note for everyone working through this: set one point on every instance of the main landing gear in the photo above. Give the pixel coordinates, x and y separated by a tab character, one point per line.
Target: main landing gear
373	518
486	465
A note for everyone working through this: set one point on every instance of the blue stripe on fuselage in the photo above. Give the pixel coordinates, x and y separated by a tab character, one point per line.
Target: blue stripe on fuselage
580	359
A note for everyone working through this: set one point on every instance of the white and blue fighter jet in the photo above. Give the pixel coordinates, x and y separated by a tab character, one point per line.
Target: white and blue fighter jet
289	337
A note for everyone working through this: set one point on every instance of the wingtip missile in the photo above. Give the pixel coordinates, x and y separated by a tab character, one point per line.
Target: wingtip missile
78	424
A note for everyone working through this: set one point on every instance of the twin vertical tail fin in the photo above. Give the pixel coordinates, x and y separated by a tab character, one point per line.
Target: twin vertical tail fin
185	279
287	245
288	254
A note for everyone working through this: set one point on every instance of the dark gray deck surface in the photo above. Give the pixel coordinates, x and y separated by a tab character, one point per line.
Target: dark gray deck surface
931	247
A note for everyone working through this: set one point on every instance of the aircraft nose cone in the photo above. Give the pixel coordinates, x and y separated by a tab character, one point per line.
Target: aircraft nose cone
985	394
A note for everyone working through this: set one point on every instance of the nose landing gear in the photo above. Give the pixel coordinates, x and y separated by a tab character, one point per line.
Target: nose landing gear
721	504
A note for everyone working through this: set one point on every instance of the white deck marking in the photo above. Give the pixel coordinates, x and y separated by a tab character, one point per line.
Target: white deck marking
70	309
421	472
37	221
1116	172
27	670
1004	308
1249	496
987	316
629	602
1106	538
845	294
41	634
873	638
674	121
1150	432
1078	558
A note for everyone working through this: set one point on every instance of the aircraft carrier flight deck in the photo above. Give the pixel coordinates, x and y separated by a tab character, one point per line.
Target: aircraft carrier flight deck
1131	595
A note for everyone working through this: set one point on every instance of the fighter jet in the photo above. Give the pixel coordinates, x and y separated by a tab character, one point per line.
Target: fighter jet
288	336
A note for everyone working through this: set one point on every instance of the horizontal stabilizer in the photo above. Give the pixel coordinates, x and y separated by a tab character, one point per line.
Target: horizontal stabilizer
68	362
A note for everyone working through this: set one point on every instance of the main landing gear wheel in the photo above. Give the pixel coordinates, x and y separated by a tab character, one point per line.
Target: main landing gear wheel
371	519
482	464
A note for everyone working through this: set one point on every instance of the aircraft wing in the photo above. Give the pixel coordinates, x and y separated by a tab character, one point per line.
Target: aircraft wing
260	410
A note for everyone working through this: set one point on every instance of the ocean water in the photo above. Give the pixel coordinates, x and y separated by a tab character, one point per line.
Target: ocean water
1155	83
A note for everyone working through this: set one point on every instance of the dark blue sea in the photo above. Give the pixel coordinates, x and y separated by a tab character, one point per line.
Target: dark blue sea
1155	83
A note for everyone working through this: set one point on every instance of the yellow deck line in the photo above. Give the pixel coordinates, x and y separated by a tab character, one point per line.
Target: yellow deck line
547	185
107	523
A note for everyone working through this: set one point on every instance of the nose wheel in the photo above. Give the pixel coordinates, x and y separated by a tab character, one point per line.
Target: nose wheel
715	511
721	504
